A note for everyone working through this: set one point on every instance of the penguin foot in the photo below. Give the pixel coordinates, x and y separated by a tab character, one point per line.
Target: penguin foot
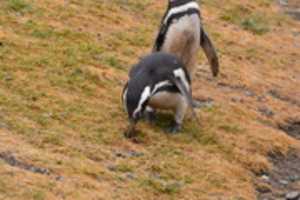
130	132
174	128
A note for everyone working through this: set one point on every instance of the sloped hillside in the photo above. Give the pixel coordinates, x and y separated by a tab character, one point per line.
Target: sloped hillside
62	68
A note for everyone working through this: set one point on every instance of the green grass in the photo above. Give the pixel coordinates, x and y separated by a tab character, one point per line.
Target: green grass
38	195
169	188
254	22
231	128
18	5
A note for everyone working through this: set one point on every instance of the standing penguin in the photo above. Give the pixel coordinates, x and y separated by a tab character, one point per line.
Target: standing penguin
181	33
161	81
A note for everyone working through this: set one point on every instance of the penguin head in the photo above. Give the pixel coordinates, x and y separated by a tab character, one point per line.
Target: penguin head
135	99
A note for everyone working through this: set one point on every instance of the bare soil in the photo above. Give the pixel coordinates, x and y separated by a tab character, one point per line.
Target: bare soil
283	179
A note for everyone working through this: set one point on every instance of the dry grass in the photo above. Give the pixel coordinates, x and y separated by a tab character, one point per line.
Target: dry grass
63	66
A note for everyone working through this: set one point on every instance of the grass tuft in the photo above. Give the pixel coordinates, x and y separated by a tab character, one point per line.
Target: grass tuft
18	5
254	22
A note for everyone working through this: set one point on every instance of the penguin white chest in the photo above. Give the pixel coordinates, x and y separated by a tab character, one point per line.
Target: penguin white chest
166	100
183	30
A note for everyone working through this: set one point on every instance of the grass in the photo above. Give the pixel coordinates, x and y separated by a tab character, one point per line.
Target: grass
162	187
38	195
255	24
62	71
248	20
19	5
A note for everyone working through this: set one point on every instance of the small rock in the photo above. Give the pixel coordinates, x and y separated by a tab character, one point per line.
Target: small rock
294	178
120	155
283	2
237	99
265	178
203	103
292	196
130	176
249	93
112	168
39	170
59	178
266	111
135	154
127	154
283	182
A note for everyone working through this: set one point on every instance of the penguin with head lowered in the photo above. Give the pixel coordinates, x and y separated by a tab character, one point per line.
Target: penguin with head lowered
181	33
159	81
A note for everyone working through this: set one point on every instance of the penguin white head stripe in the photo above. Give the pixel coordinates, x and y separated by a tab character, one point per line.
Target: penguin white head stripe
176	3
181	9
155	74
146	94
179	73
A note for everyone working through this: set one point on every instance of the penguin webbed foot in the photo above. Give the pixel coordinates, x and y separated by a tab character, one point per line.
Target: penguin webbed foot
130	132
175	128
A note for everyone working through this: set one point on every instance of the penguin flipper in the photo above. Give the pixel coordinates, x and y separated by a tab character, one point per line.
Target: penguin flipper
187	94
160	38
210	52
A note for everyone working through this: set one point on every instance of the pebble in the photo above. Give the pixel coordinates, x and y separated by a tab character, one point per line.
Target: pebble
283	2
120	155
59	178
249	93
265	178
292	196
237	99
130	176
129	154
209	103
135	154
283	182
266	111
112	168
294	178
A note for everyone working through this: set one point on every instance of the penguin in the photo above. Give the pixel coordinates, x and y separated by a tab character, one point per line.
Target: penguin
158	81
181	33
